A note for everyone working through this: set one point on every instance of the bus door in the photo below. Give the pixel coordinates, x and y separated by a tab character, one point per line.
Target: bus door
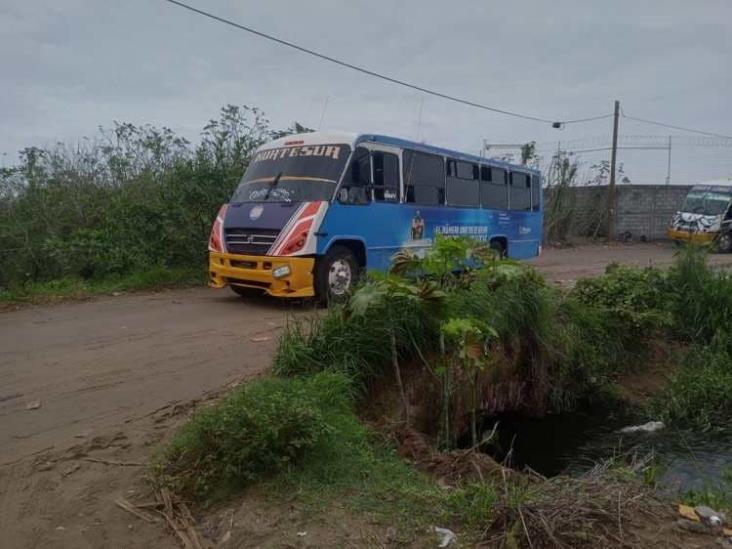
368	204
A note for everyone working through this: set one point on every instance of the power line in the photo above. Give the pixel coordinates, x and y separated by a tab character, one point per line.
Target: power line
590	119
556	123
681	128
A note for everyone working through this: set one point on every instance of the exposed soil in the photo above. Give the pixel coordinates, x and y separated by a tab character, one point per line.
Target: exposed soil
108	378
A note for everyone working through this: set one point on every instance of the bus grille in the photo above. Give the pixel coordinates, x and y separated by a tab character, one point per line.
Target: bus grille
250	241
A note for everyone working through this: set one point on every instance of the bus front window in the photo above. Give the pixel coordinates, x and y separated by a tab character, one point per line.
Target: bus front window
293	174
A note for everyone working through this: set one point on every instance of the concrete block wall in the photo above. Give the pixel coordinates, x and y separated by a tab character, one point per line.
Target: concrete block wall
644	211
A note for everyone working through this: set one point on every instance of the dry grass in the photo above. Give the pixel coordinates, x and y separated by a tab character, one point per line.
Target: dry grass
451	468
603	508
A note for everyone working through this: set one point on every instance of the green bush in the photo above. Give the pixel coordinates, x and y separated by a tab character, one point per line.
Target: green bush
259	429
355	345
639	296
129	199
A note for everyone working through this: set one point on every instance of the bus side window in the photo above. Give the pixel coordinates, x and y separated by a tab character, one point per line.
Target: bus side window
386	177
493	188
462	184
520	191
424	178
360	177
536	191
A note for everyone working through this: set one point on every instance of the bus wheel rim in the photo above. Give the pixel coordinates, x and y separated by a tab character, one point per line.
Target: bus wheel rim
339	277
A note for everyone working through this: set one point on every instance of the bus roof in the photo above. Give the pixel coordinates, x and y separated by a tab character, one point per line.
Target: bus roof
353	139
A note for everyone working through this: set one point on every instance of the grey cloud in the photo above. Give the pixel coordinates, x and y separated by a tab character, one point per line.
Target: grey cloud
70	66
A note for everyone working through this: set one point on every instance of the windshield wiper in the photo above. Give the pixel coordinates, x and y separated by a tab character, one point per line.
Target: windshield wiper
272	185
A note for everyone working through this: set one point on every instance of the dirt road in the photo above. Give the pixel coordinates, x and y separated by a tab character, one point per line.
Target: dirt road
100	363
568	264
88	389
95	364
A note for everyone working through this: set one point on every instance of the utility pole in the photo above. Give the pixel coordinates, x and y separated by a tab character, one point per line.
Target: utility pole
668	165
611	186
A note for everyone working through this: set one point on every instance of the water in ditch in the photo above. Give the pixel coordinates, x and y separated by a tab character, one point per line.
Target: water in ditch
574	443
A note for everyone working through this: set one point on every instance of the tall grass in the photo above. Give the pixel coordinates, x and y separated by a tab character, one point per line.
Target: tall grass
560	348
690	303
355	345
702	299
699	394
156	278
129	199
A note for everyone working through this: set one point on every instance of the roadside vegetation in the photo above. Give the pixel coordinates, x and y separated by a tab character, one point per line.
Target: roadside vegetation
380	403
129	201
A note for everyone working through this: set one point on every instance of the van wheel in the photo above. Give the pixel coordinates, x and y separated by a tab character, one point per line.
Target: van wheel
724	242
337	275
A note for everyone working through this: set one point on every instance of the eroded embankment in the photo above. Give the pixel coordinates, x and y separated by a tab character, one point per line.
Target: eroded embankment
429	360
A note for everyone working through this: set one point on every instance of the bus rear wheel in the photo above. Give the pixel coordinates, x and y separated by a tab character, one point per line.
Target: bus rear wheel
337	275
499	248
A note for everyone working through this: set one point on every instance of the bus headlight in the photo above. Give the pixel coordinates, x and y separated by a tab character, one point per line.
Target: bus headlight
281	272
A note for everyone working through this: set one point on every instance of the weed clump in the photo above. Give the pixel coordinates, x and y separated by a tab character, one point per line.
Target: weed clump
356	345
259	429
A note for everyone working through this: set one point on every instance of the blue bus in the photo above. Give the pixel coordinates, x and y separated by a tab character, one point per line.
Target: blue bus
314	210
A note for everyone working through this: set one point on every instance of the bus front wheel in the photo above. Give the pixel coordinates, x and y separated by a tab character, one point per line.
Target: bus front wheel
337	274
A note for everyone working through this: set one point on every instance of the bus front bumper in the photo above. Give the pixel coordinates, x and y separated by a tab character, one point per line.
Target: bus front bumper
688	236
294	275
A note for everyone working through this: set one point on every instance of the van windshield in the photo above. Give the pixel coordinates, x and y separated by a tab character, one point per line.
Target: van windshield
293	174
707	202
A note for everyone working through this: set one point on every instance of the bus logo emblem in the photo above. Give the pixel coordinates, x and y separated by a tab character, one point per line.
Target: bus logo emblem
256	212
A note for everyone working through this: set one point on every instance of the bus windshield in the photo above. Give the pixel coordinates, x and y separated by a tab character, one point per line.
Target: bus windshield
293	174
707	202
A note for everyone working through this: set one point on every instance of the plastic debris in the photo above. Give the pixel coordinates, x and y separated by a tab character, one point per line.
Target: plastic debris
33	405
645	428
709	516
447	537
302	534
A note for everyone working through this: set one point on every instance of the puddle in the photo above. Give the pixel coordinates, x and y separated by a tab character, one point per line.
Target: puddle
574	443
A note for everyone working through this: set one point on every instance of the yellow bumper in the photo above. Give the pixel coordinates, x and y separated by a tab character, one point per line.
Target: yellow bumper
686	236
256	271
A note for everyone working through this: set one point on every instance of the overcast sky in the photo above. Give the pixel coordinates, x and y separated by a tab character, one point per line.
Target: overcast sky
68	66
